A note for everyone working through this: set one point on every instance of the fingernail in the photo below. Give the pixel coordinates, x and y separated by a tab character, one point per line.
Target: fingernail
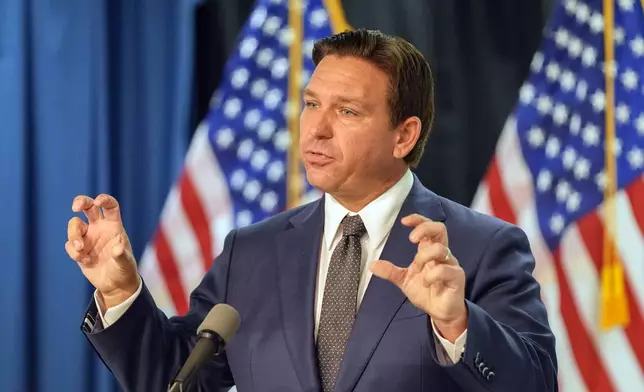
78	245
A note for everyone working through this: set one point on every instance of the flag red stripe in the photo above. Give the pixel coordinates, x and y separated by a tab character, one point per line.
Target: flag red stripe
635	192
591	230
498	199
588	362
196	214
170	272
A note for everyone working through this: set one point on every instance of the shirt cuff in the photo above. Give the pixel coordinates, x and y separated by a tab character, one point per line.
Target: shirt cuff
454	350
114	313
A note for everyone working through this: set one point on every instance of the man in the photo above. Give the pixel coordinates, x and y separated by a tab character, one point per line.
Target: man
381	285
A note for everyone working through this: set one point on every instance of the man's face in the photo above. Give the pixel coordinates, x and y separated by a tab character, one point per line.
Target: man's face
346	140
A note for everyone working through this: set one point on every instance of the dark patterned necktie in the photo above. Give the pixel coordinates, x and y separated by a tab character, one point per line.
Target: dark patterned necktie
339	300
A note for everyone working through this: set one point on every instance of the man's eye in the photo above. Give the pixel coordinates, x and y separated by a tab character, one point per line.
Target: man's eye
348	112
311	105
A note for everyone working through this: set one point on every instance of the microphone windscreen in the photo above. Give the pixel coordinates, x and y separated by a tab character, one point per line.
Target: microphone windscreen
222	319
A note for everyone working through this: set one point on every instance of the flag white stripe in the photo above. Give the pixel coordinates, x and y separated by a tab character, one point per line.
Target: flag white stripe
155	282
613	346
211	186
183	242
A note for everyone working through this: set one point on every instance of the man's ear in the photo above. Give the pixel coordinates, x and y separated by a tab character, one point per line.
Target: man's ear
407	135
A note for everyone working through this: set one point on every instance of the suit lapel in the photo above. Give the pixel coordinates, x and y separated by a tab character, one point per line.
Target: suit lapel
382	299
298	252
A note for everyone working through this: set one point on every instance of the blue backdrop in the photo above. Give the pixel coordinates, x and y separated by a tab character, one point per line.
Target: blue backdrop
94	97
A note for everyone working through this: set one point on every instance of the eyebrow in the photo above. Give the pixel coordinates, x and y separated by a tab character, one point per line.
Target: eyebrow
355	100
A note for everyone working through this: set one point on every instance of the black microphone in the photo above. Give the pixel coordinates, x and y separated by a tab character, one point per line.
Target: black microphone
213	334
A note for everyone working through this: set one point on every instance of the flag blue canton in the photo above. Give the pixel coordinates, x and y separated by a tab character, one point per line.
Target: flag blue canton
248	119
560	116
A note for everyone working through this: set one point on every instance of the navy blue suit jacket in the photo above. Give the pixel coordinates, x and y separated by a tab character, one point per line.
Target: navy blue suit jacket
267	271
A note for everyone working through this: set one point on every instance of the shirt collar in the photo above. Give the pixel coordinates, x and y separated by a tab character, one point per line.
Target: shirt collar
378	216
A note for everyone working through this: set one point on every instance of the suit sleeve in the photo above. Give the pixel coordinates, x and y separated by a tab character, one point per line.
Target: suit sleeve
510	346
144	349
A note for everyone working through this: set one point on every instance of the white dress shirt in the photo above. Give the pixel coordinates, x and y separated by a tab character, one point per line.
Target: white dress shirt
379	217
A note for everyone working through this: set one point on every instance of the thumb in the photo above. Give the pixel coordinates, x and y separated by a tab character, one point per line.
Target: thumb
385	270
119	253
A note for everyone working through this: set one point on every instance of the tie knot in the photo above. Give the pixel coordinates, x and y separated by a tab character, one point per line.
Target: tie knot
353	225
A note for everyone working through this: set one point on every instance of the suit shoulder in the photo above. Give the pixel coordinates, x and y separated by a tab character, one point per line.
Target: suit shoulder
463	218
273	224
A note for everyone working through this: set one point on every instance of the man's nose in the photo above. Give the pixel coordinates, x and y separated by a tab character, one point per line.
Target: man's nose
321	127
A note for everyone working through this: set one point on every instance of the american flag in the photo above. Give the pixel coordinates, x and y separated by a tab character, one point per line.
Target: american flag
578	123
242	164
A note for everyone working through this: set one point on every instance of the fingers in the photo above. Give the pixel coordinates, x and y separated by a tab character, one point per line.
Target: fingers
429	231
86	204
111	209
436	252
76	255
76	230
120	253
385	270
440	273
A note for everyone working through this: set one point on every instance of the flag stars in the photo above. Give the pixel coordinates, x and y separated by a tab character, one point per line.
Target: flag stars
272	25
537	62
589	56
557	223
245	148
224	138
266	129
275	171
544	180
307	47
239	78
279	68
252	119
629	79
560	114
526	93
285	36
268	201
601	180
232	107
318	17
622	113
617	147
637	46
581	169
618	35
635	158
273	98
639	124
598	100
247	47
264	57
568	157
575	47
562	191
582	90
561	37
544	105
626	5
573	202
259	159
590	135
251	190
258	17
536	137
596	23
244	218
567	81
258	88
282	140
582	13
553	71
238	179
552	147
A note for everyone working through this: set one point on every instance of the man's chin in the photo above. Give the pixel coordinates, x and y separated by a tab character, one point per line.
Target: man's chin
321	179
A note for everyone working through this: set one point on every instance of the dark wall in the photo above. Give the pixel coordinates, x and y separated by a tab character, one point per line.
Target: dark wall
479	52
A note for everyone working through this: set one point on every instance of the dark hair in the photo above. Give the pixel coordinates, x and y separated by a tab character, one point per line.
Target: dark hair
411	88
